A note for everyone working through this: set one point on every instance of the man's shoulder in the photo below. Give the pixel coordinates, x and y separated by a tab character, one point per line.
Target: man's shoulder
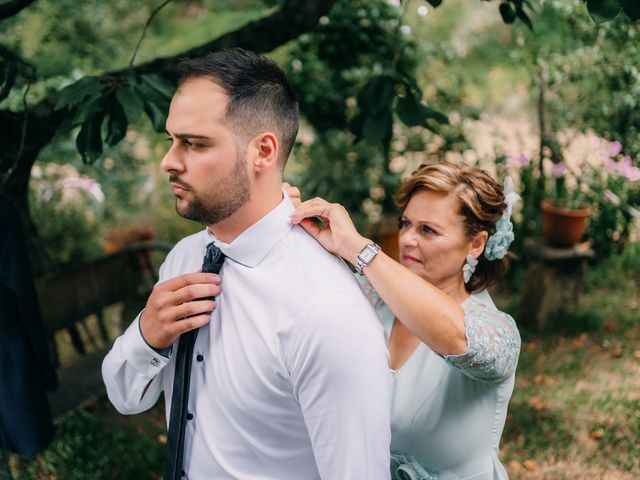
314	265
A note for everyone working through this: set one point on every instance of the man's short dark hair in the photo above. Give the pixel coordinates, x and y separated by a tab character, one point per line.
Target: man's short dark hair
260	97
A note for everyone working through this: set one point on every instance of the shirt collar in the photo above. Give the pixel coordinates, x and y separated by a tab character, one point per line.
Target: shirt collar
252	245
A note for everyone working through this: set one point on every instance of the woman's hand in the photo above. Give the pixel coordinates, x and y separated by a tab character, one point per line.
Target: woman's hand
338	235
294	193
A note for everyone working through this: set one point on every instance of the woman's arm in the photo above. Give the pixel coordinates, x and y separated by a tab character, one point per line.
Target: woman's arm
430	314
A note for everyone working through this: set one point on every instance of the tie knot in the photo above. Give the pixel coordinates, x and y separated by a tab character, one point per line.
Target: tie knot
213	259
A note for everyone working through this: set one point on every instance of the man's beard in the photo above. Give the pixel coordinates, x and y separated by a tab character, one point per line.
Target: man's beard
224	199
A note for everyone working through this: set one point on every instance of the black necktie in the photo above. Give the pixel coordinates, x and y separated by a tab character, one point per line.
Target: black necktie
212	263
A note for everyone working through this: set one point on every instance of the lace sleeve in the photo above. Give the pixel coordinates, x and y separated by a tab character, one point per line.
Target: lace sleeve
493	344
369	291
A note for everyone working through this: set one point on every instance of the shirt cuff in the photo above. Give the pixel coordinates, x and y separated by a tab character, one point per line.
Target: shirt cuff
139	354
165	352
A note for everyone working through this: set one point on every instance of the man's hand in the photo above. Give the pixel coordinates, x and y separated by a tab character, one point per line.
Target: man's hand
173	307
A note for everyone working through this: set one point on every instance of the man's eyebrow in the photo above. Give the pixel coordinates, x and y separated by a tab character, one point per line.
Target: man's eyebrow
188	135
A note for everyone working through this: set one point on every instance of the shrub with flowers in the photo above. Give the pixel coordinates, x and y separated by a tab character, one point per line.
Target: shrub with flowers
67	208
609	184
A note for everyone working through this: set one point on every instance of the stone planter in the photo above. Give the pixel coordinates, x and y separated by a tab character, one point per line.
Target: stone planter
563	227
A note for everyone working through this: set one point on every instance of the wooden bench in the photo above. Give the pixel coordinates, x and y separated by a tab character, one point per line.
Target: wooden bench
68	297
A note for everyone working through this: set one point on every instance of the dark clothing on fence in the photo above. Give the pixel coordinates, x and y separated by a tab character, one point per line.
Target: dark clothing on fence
25	367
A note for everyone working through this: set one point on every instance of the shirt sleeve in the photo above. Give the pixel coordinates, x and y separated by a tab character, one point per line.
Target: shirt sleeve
130	372
493	344
338	364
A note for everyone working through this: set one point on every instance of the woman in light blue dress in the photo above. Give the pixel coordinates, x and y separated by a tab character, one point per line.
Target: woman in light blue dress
453	353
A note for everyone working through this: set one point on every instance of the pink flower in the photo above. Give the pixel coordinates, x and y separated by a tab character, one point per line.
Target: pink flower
626	160
614	148
612	166
522	160
633	174
559	169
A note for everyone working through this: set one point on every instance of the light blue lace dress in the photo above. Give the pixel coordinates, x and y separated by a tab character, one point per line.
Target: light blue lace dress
447	414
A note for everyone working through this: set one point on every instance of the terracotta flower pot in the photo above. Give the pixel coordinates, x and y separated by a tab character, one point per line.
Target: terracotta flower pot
563	227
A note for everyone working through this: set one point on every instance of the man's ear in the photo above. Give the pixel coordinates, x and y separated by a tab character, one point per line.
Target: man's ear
265	152
477	243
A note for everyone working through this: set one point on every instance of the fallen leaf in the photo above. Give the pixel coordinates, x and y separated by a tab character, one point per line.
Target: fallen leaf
596	434
616	351
531	465
162	439
515	466
545	379
538	404
580	341
637	354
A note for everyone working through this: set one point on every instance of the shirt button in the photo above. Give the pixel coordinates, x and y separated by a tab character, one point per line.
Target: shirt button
155	362
189	416
199	357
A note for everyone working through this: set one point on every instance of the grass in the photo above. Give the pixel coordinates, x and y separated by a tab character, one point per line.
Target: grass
575	412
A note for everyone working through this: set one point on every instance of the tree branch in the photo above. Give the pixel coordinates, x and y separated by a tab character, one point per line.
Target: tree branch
293	19
144	30
9	9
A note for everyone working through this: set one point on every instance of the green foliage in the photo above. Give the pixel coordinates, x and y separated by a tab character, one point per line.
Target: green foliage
533	430
87	446
620	428
68	217
571	322
103	109
340	171
604	10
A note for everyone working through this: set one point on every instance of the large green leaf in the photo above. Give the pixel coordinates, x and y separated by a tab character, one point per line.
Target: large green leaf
377	129
631	8
149	94
522	15
75	93
159	84
603	10
507	12
157	115
94	104
131	101
409	110
412	112
376	96
117	124
89	139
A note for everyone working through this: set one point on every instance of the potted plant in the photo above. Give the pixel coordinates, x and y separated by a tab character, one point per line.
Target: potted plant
566	211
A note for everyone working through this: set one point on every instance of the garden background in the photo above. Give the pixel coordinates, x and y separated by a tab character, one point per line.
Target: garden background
546	92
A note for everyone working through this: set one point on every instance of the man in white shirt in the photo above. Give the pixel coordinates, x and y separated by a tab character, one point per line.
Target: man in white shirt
289	377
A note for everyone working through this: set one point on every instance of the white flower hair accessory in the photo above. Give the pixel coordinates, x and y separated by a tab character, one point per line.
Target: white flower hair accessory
498	243
468	268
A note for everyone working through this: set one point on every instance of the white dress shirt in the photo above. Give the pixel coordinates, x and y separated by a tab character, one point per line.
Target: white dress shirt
290	378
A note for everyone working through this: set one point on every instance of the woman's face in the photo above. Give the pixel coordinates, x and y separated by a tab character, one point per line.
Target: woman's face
432	240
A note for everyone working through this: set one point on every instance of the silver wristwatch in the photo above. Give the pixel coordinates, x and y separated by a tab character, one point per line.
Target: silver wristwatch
366	255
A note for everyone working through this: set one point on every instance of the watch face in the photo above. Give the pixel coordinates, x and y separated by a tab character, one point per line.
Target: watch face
367	254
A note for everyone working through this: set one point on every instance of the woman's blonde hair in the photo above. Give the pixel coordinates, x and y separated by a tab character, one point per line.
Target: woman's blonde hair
481	204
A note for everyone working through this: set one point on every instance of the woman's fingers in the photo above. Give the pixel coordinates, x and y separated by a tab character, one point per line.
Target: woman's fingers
316	207
293	192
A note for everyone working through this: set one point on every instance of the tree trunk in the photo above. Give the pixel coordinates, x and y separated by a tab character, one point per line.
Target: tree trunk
23	135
